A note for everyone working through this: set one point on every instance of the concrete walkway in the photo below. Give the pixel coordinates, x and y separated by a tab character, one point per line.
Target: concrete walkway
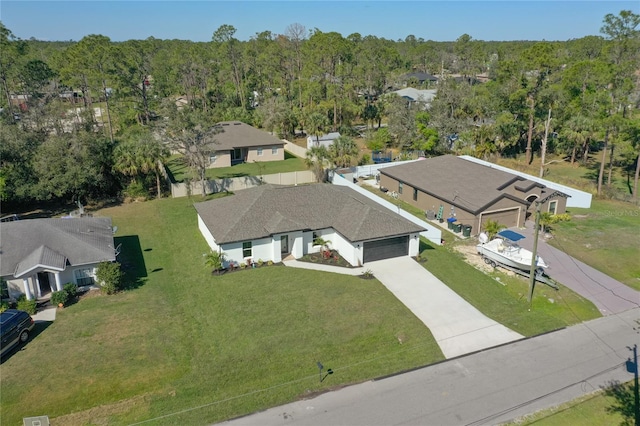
45	315
457	326
609	295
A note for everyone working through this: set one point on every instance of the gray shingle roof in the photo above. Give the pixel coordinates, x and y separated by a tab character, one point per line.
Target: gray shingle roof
236	134
55	243
42	256
463	183
271	209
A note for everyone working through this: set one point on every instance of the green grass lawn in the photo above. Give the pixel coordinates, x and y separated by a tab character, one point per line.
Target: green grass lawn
606	236
182	338
613	406
291	163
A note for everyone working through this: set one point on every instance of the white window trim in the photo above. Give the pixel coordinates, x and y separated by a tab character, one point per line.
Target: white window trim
259	150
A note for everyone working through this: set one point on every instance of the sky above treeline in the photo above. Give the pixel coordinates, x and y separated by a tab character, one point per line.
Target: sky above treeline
394	20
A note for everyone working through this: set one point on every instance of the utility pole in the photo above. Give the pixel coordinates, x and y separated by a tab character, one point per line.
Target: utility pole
536	230
544	143
636	392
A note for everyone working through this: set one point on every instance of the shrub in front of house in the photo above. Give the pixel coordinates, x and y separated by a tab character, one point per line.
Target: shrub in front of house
72	291
4	306
109	277
59	298
29	306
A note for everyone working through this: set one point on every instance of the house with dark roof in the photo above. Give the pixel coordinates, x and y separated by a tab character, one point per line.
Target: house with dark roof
38	256
271	222
420	77
453	188
238	143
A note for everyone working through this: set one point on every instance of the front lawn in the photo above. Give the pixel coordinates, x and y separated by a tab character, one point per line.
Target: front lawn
182	338
179	170
606	236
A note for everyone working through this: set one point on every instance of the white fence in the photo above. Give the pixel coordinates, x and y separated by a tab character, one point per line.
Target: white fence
372	169
578	198
296	150
239	183
433	234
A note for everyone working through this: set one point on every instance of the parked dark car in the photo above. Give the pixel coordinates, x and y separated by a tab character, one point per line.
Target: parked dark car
15	326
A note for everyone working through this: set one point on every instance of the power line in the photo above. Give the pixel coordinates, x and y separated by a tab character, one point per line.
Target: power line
538	398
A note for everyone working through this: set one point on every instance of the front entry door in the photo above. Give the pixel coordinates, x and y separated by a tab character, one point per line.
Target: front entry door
44	283
284	244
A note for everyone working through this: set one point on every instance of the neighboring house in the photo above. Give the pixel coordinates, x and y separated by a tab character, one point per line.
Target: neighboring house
324	140
38	256
450	186
238	143
420	77
412	95
271	222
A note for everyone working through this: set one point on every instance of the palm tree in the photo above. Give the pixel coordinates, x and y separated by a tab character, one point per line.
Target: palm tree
492	227
151	153
317	159
215	260
344	151
126	160
316	124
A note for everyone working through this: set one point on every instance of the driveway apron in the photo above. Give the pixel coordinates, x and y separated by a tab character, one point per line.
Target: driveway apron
610	296
457	326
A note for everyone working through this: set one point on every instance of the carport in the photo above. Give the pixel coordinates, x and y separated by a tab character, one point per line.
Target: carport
385	248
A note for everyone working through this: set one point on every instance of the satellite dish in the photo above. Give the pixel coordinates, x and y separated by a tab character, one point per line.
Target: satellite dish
114	229
484	238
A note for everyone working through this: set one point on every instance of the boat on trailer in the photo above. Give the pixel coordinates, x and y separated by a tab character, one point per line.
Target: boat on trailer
505	250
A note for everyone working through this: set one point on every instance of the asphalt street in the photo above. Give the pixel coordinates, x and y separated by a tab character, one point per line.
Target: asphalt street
485	388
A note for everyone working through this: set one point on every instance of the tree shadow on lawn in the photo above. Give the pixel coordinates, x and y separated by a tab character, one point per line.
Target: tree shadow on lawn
624	402
132	261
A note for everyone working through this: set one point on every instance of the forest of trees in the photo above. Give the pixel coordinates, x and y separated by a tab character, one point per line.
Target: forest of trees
86	120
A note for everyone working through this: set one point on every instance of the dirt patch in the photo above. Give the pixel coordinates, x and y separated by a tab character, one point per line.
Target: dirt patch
101	415
472	257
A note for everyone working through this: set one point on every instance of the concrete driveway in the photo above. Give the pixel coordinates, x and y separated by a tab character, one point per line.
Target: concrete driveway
610	296
457	326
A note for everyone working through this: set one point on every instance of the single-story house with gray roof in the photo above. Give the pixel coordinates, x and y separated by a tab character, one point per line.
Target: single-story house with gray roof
38	256
271	222
325	140
472	193
238	143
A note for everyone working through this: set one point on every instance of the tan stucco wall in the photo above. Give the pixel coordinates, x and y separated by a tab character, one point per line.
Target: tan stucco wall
252	155
223	159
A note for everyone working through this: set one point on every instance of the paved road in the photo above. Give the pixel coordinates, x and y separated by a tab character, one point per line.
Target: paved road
609	296
489	387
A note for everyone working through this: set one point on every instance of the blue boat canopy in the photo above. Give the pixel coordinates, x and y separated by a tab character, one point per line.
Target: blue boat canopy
511	235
